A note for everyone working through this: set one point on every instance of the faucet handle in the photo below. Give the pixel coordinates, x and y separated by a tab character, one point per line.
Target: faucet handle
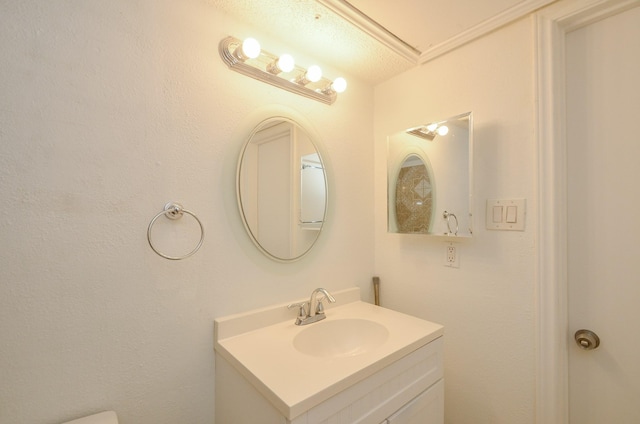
320	306
302	312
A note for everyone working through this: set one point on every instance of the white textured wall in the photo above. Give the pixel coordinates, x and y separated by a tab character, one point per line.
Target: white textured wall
109	109
487	305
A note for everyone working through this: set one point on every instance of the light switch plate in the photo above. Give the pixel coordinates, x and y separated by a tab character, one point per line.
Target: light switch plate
506	214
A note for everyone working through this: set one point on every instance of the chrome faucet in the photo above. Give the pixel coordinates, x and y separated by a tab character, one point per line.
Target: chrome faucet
316	309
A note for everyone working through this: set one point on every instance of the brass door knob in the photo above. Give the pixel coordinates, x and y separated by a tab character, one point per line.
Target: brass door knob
587	339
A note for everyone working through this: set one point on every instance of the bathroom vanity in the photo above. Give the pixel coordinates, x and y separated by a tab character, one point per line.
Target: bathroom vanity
361	364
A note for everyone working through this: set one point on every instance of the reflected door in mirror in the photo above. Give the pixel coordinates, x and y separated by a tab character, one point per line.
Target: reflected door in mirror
282	189
312	192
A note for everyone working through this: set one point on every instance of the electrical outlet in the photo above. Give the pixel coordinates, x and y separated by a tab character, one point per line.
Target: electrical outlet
452	258
451	254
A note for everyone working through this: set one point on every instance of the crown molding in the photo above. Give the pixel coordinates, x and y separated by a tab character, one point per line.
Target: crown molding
353	15
372	28
509	15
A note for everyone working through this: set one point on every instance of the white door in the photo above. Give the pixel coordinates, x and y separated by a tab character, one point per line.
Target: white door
603	136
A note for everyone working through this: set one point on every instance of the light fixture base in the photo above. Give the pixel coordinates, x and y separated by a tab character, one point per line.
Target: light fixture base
258	69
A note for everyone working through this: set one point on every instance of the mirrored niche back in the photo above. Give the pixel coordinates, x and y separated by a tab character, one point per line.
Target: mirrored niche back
282	189
429	174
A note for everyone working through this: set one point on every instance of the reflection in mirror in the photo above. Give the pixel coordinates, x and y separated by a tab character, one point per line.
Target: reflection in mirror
282	189
429	178
414	196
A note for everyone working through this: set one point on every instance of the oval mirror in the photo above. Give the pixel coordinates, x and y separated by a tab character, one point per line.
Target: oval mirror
419	159
414	196
282	189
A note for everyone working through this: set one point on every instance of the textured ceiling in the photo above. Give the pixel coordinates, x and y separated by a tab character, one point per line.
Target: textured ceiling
320	33
325	33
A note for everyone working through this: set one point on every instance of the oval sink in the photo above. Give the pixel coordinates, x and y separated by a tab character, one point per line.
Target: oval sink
342	337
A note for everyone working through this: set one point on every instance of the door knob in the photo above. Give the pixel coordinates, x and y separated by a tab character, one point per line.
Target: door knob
587	339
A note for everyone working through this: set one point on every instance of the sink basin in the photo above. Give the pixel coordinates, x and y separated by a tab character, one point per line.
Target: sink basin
341	337
298	367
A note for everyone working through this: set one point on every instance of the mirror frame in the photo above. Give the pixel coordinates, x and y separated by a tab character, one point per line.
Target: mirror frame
314	140
393	166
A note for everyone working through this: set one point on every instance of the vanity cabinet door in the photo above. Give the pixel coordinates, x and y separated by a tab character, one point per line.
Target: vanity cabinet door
426	408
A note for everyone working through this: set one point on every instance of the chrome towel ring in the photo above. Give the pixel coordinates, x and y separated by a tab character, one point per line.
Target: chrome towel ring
448	215
174	211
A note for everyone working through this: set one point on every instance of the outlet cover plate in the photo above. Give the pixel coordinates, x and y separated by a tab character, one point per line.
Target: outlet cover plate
452	255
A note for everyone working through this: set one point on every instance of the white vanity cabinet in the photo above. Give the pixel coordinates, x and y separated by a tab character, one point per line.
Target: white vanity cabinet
409	391
426	408
261	377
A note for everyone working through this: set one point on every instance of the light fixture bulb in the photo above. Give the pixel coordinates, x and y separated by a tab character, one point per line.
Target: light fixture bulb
314	73
339	85
251	48
286	63
432	127
443	130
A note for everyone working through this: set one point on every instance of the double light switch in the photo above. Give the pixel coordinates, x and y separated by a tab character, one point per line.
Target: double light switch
506	214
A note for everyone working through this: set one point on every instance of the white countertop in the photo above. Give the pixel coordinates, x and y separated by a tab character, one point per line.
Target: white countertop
295	382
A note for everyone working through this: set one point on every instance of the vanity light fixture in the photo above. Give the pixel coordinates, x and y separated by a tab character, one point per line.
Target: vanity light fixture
429	132
249	59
